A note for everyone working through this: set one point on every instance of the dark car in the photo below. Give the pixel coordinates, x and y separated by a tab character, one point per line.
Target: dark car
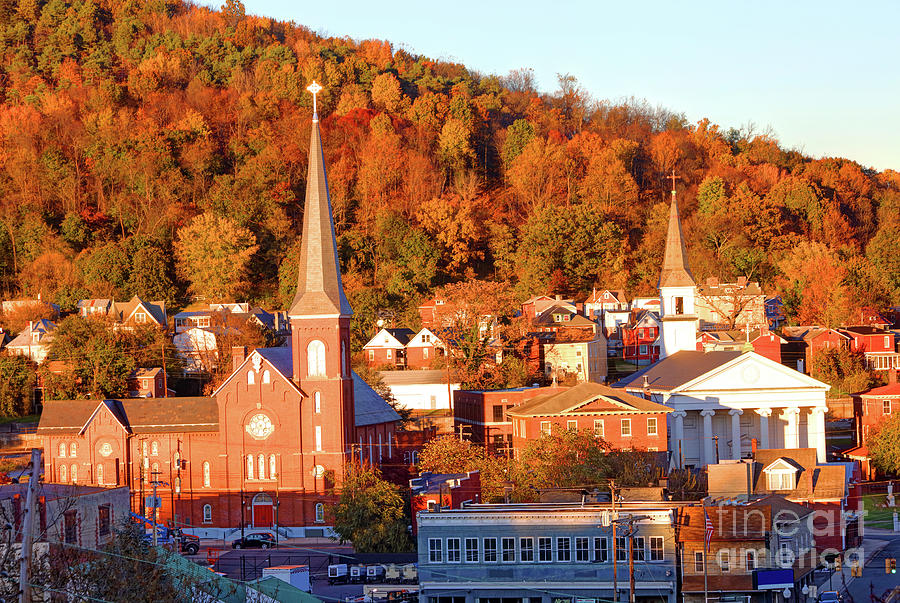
830	596
255	540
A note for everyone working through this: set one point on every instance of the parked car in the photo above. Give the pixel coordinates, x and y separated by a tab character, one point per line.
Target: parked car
255	540
187	543
830	596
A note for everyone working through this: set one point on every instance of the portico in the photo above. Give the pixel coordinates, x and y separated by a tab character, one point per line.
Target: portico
724	401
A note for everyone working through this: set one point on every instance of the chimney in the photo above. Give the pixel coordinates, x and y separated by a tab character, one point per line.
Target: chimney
753	445
238	355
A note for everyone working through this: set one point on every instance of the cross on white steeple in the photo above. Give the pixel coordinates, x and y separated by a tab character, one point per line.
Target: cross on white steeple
314	88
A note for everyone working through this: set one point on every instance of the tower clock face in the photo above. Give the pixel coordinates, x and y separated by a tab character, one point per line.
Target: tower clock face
260	426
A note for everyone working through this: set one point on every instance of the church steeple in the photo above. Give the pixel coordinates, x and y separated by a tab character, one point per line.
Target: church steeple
675	271
320	291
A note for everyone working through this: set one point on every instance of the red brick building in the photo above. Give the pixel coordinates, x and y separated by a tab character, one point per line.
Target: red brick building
641	340
445	490
270	446
481	415
762	341
621	419
878	345
870	410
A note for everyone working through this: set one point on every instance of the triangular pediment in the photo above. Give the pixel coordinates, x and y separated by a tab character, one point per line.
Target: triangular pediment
781	464
598	404
104	408
751	371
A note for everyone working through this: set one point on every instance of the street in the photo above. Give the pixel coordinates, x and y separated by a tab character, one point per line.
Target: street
874	580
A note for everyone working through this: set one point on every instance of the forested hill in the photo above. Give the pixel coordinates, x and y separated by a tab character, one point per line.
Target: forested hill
159	148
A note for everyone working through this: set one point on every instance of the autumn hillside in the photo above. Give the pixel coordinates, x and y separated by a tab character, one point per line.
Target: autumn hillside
159	148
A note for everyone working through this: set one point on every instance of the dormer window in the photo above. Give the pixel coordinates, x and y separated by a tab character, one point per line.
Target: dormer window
781	475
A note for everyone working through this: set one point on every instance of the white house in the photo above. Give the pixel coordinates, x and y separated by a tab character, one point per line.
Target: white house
420	390
34	340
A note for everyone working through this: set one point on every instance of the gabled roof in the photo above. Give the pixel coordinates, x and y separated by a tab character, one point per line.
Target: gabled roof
319	287
678	369
589	398
865	330
890	390
43	327
145	373
124	310
782	463
675	271
396	338
597	296
137	415
94	303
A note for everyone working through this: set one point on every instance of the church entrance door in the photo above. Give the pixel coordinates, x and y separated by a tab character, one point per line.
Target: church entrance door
263	511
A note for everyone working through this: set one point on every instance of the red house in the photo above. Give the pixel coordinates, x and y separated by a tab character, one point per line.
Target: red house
870	410
762	341
622	420
388	348
422	349
147	383
270	447
803	343
640	341
482	415
878	346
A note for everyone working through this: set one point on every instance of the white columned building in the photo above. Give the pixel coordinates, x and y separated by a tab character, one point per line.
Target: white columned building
723	401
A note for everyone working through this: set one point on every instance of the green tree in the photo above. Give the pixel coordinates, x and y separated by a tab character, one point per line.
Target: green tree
711	195
150	274
518	135
370	513
884	446
844	370
212	254
17	380
96	359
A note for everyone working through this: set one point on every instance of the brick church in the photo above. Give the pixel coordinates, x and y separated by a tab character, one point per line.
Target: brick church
269	447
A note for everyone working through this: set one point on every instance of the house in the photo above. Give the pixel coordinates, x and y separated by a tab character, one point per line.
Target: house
564	551
760	550
425	390
429	312
33	307
423	348
581	358
537	304
762	341
388	348
34	340
199	348
429	491
877	344
94	307
870	409
871	317
147	383
136	312
775	313
233	315
482	414
804	342
729	305
723	401
601	301
641	340
622	420
276	435
797	476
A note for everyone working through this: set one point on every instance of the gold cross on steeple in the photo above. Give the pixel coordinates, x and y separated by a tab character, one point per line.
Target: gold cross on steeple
314	88
673	178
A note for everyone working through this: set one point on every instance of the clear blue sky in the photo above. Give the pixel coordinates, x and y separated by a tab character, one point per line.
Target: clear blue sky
825	76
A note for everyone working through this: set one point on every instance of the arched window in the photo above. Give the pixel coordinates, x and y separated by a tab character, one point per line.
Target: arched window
315	358
317	397
267	377
100	475
144	448
62	450
73	473
251	378
73	449
272	473
154	471
62	473
154	448
320	513
343	358
249	466
176	458
206	480
177	485
261	460
207	513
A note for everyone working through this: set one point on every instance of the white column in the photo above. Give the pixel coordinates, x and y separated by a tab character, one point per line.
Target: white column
709	456
735	432
764	414
815	431
677	445
791	431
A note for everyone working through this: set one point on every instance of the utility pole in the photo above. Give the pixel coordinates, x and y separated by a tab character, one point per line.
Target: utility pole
630	530
27	529
615	552
155	482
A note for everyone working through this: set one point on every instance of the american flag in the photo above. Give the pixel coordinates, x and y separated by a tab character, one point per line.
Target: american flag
709	528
